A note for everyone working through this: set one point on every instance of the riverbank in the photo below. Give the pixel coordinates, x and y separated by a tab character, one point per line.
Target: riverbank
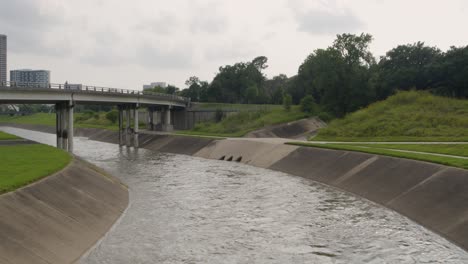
24	161
433	195
58	218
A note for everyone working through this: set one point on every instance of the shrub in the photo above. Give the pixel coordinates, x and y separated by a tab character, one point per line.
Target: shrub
308	105
287	102
112	116
219	115
325	117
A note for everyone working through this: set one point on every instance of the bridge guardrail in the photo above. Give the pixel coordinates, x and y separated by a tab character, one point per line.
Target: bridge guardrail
90	88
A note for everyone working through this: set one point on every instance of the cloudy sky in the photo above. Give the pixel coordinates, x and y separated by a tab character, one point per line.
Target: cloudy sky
121	43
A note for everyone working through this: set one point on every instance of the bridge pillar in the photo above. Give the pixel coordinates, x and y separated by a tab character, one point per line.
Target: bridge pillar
150	125
127	123
167	126
135	126
70	106
121	120
64	127
58	124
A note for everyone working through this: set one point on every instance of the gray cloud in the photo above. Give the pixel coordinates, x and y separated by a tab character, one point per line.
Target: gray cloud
207	18
319	22
164	24
27	27
153	57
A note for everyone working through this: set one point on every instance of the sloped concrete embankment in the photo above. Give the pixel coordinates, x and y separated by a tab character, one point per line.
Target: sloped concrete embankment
300	129
433	195
59	218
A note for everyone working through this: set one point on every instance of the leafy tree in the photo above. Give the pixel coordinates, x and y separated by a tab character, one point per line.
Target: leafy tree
287	102
406	67
308	104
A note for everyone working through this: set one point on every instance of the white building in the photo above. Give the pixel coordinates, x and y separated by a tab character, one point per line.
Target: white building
27	76
3	58
154	84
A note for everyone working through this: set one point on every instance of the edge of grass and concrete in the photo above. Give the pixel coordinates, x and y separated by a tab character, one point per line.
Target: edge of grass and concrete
433	157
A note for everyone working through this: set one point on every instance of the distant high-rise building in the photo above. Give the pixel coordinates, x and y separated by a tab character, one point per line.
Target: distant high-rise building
28	77
154	84
3	58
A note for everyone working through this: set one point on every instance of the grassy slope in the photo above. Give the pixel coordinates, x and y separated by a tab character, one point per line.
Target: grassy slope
49	120
377	149
223	106
23	164
406	116
240	124
5	136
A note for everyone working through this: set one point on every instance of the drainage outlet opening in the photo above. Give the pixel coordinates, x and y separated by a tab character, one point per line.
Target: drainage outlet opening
239	159
230	158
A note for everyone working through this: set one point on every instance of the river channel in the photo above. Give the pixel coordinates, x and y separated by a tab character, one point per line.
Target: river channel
191	210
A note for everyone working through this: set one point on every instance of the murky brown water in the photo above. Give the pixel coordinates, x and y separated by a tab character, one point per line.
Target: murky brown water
190	210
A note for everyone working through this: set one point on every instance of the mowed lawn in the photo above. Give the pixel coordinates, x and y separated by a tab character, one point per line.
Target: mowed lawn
24	164
395	150
5	136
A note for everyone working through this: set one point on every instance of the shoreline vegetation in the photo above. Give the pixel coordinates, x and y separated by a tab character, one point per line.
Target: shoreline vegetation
21	165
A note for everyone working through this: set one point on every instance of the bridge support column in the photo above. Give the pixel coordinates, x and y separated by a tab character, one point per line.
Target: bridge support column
70	106
58	124
167	126
127	130
121	129
150	125
135	126
64	127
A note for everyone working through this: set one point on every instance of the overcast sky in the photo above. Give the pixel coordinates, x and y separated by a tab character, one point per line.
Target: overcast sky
125	44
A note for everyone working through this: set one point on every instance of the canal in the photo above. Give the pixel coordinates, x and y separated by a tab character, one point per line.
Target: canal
191	210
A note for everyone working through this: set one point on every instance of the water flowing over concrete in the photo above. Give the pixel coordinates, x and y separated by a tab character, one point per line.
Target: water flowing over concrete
192	210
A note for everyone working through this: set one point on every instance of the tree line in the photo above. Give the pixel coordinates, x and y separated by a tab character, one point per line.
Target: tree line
340	78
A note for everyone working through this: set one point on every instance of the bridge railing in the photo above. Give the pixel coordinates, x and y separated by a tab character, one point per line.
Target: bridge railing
88	88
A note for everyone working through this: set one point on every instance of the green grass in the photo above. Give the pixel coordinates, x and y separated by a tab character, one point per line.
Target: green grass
239	124
406	116
5	136
241	107
391	150
447	149
49	120
24	164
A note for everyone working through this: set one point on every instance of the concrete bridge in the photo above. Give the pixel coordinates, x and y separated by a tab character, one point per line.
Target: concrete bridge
65	96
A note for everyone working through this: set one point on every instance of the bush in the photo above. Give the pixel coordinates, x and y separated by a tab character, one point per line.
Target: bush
325	117
219	115
88	114
112	116
287	102
308	105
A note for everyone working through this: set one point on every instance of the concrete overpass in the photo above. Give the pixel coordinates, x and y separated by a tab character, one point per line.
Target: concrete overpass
65	96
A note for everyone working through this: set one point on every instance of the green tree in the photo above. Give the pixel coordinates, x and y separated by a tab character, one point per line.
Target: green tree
308	105
287	102
406	67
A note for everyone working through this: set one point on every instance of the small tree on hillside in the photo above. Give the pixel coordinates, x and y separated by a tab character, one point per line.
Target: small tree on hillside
308	104
287	102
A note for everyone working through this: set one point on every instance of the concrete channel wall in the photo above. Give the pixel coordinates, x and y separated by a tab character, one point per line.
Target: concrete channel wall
432	195
57	219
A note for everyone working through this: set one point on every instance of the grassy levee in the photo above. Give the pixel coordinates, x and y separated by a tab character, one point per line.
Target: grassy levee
24	164
5	136
237	125
241	107
377	149
406	116
81	120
